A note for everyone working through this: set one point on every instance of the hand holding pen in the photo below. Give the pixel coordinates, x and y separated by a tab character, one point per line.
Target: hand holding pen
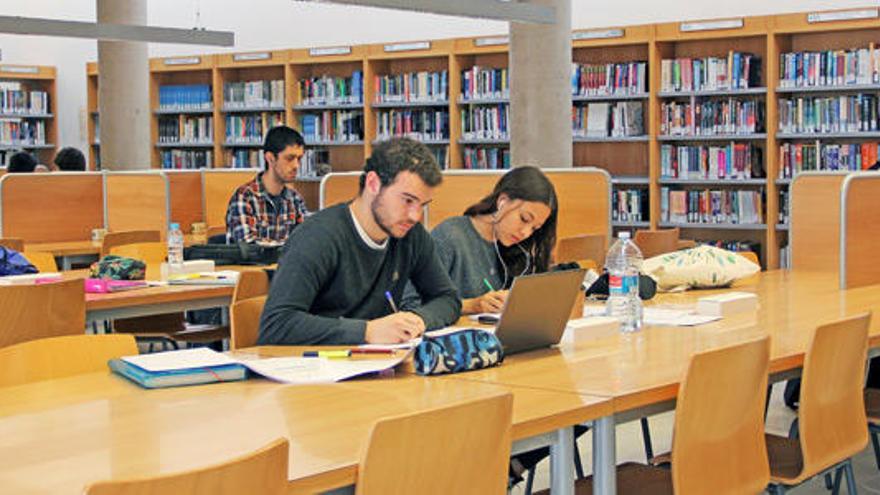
395	328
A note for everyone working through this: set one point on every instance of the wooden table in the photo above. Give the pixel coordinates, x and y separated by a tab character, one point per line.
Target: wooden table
59	435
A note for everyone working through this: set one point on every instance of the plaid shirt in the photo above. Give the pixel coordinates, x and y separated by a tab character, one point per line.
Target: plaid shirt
251	215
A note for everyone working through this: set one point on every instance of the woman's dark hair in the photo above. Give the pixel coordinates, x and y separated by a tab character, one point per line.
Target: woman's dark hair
70	159
526	184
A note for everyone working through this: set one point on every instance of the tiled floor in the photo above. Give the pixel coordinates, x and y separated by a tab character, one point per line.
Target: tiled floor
630	448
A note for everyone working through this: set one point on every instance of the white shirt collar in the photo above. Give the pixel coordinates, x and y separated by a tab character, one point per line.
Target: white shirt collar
364	237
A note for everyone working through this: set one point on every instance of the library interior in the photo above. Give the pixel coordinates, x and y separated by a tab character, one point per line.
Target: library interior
490	246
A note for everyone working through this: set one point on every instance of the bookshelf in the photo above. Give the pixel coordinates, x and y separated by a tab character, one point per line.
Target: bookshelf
93	121
635	161
28	111
408	92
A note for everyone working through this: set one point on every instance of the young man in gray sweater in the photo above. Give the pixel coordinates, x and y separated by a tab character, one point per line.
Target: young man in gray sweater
344	269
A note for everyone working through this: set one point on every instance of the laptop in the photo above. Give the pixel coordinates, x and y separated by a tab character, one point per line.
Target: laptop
537	310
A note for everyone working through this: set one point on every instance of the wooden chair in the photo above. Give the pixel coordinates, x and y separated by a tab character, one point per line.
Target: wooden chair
831	416
43	261
872	410
12	243
656	242
113	239
264	471
463	448
251	283
717	444
582	247
31	312
244	319
60	357
751	256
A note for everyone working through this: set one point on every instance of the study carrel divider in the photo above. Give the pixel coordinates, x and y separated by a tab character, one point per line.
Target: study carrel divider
137	201
217	187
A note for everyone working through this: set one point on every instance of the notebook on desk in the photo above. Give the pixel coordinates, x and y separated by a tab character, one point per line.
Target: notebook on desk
179	368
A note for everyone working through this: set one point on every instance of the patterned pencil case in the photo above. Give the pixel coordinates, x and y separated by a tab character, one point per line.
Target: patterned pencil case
463	350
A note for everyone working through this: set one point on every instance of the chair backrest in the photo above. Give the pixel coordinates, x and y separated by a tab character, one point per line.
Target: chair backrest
43	261
60	357
833	426
582	247
463	448
244	322
251	283
151	253
31	312
263	471
113	239
656	242
718	444
751	256
12	243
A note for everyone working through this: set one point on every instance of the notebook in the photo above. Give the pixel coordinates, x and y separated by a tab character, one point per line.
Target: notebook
179	368
220	277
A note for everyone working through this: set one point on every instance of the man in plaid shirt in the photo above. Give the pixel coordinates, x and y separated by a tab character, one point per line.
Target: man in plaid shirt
267	208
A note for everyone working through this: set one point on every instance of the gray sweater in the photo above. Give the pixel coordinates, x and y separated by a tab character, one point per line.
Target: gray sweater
466	257
329	283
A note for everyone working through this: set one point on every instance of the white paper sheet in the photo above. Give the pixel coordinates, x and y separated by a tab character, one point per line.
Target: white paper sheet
200	357
303	370
660	316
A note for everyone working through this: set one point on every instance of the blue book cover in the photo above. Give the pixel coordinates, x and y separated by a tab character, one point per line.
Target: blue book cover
177	378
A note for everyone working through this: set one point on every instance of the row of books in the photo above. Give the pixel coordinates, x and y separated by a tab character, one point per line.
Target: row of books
728	162
330	90
314	163
609	79
185	97
486	122
244	158
629	205
785	256
804	157
736	246
843	113
251	94
14	132
829	67
421	124
192	131
783	206
599	120
17	98
711	206
333	126
483	158
410	87
179	159
441	154
735	71
249	129
485	82
712	117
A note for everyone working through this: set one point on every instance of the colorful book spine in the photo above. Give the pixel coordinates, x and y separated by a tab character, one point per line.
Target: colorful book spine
830	67
809	157
186	159
716	206
842	113
609	79
485	82
619	119
330	90
19	132
486	158
185	97
730	162
712	117
485	122
629	205
254	94
737	70
420	124
412	87
17	98
333	126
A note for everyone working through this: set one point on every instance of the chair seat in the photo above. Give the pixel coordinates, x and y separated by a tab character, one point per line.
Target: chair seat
872	405
632	478
786	460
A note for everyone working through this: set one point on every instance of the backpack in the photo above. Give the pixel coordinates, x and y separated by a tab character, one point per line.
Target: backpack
14	263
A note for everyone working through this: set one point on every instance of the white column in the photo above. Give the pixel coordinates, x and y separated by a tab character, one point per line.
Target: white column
540	99
124	90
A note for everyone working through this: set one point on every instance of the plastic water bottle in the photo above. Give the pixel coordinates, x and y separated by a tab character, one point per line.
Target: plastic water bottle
175	245
624	260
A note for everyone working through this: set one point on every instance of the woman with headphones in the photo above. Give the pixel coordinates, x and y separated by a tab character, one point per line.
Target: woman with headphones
510	232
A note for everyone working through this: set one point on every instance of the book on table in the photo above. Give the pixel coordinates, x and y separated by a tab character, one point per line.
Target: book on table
178	368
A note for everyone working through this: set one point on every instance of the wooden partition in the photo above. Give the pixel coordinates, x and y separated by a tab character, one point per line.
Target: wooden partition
51	207
338	188
137	201
186	198
815	221
860	234
217	187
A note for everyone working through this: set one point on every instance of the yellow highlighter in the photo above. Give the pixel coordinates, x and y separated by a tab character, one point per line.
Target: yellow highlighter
342	354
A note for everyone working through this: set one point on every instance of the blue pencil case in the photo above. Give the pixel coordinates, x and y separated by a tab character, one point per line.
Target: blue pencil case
463	350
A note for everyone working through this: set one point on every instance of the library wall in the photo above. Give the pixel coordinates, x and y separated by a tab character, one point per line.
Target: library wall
287	24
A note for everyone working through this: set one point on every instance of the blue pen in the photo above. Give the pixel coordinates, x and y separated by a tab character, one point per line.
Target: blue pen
391	301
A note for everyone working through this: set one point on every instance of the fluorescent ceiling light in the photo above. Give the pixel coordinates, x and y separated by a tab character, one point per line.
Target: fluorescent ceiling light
499	10
113	32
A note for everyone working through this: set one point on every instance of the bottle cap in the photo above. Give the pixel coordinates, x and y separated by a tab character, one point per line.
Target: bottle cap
623	235
174	226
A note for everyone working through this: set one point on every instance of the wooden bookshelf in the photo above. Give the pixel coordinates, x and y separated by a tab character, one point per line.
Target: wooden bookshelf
33	78
633	161
92	117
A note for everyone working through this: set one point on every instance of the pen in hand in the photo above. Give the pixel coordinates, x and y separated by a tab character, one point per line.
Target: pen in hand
390	301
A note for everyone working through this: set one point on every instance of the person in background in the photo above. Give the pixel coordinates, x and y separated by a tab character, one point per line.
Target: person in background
510	232
267	208
41	169
69	159
21	162
344	268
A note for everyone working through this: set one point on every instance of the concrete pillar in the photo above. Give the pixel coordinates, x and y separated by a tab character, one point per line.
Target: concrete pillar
124	90
540	82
